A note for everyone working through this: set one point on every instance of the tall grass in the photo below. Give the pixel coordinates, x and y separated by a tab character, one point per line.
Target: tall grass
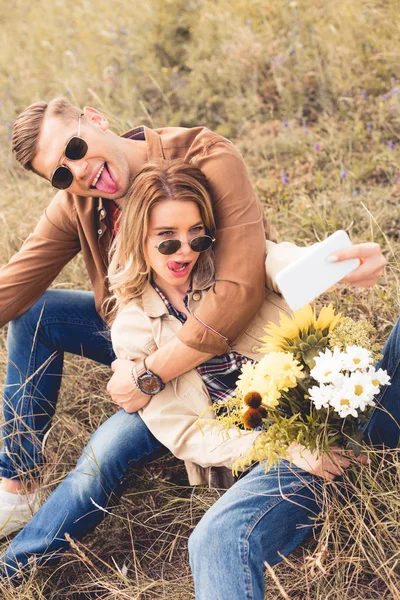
309	91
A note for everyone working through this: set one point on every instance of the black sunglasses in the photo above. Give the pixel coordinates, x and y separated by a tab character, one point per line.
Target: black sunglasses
200	243
75	149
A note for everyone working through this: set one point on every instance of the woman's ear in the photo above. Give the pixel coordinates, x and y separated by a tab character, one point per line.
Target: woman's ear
96	117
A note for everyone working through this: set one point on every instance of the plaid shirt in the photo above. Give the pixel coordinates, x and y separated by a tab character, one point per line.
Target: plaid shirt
220	373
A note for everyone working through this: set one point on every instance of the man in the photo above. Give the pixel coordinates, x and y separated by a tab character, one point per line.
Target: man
93	169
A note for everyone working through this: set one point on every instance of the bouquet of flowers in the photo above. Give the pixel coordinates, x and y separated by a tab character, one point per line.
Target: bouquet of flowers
315	386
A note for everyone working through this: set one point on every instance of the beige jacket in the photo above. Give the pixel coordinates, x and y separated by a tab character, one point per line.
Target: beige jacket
173	415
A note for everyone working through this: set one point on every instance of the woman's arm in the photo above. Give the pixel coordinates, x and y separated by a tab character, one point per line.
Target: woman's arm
327	465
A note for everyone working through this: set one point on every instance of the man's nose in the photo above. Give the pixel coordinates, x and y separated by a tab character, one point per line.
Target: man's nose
79	168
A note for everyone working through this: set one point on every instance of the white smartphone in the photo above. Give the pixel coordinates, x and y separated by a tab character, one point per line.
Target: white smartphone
304	280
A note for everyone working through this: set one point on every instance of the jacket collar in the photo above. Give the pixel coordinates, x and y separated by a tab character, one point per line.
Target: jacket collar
154	306
152	138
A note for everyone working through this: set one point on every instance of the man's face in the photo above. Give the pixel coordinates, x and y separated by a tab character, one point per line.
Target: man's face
103	172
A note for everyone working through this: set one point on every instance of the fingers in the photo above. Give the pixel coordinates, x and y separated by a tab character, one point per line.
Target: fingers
372	264
363	459
333	464
368	273
362	251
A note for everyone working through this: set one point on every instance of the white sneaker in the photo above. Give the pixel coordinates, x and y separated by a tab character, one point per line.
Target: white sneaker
14	517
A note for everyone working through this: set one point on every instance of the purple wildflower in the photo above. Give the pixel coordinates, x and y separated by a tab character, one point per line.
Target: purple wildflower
394	91
305	131
364	95
343	173
285	123
384	96
369	126
316	147
285	178
391	145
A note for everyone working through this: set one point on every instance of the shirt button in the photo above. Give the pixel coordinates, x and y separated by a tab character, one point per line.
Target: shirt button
255	348
196	296
99	231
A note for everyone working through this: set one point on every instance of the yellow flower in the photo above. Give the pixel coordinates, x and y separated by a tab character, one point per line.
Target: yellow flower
303	334
244	382
282	368
275	372
327	318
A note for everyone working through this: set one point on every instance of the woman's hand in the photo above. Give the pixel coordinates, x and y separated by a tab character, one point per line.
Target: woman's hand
122	388
372	264
327	465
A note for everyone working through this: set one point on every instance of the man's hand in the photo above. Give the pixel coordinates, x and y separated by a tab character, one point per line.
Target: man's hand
328	465
372	264
122	389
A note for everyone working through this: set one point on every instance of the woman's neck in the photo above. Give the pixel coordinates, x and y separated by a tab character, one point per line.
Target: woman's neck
174	293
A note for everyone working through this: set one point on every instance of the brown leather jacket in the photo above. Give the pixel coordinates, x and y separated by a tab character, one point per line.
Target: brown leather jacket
71	224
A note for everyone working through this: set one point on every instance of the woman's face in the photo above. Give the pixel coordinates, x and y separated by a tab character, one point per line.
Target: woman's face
173	219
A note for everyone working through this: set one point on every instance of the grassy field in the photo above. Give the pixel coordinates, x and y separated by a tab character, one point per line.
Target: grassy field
309	91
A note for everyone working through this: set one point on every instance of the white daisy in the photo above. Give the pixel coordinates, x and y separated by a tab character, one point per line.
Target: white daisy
328	365
343	403
356	357
378	378
358	388
321	395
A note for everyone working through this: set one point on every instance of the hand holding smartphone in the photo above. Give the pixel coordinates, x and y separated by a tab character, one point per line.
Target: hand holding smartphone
307	278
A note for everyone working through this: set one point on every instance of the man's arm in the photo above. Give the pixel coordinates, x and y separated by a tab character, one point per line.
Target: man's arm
45	252
238	293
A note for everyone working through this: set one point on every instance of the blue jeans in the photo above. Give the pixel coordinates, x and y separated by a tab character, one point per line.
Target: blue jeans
62	321
263	516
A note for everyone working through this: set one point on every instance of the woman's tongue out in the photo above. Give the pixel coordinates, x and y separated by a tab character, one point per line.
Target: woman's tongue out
178	269
106	181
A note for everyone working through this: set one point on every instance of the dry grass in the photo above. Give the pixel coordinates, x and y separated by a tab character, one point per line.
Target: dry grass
309	92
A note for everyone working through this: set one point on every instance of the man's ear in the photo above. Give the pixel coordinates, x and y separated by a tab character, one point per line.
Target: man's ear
93	115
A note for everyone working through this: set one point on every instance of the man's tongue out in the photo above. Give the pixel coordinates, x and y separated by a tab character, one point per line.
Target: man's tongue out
105	182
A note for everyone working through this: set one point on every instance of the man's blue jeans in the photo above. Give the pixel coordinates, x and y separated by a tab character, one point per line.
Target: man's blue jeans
258	517
62	321
263	516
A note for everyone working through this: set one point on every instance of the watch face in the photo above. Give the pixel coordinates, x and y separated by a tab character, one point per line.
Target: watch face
150	384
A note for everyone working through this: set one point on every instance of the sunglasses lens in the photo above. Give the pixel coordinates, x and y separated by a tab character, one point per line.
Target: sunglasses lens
76	148
62	178
169	247
201	243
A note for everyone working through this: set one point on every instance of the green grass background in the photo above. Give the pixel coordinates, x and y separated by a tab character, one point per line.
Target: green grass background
309	91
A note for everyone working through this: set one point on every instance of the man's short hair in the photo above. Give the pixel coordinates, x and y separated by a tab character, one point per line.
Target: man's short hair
27	127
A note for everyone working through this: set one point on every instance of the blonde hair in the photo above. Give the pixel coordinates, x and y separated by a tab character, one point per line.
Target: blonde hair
129	270
26	129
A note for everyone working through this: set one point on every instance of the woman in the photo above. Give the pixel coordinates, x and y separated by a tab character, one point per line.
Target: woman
162	266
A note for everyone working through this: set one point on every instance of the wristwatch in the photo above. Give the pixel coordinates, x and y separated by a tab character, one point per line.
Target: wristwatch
147	381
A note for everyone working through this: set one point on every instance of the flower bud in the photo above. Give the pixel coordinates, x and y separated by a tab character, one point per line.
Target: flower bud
263	412
252	399
252	418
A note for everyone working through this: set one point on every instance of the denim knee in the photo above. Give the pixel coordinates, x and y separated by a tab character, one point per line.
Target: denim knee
23	328
207	535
